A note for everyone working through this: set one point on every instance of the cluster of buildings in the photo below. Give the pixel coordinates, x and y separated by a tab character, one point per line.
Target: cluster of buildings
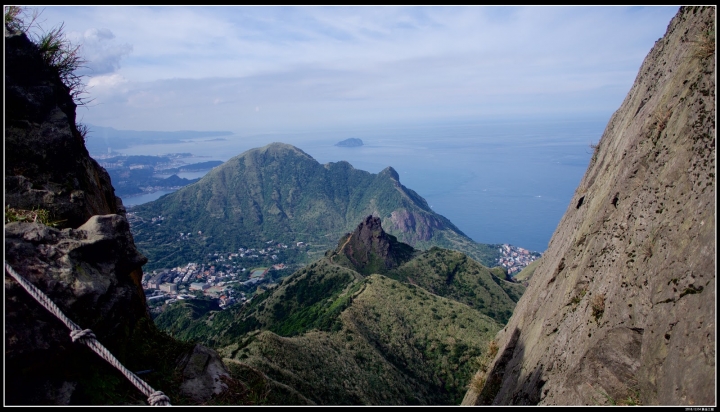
514	258
225	276
225	283
246	253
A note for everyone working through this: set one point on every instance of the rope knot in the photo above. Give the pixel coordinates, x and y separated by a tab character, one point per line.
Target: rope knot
158	398
81	334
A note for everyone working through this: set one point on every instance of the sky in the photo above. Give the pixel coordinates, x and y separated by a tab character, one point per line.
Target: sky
276	69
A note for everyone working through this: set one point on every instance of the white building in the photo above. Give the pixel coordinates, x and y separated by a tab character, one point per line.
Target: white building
199	286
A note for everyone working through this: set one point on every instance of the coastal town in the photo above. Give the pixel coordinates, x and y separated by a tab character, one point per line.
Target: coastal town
222	277
234	277
514	258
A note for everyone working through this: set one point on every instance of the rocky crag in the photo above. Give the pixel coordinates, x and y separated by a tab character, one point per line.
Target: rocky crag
621	308
84	260
370	250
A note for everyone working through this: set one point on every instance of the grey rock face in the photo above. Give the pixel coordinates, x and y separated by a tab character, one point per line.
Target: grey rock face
46	164
621	309
88	266
93	275
370	250
203	372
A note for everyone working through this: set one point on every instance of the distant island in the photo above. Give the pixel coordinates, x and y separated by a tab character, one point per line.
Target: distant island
351	142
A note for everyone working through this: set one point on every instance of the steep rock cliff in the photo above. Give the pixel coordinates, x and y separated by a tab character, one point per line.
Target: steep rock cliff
87	265
621	309
50	167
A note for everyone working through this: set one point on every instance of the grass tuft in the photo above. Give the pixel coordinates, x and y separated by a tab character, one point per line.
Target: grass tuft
598	306
56	49
35	215
704	45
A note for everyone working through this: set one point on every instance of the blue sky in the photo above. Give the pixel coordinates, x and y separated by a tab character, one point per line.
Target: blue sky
270	69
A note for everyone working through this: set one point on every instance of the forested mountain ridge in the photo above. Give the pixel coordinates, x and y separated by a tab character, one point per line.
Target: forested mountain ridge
280	193
384	341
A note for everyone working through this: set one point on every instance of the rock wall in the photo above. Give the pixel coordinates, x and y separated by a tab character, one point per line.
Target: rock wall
50	166
87	265
621	309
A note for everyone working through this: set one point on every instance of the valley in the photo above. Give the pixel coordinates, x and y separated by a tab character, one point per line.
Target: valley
389	323
276	279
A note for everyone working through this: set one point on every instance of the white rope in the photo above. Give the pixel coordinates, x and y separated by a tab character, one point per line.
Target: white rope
86	336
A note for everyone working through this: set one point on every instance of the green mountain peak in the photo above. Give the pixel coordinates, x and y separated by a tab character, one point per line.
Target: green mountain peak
389	171
278	192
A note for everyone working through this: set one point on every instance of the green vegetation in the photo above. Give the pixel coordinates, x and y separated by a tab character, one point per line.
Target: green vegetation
482	365
453	275
380	351
279	192
524	275
331	335
35	215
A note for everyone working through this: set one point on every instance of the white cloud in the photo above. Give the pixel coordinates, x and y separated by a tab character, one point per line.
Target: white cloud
106	82
309	65
101	53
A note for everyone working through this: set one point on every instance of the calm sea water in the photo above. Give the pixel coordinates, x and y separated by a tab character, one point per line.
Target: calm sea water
498	182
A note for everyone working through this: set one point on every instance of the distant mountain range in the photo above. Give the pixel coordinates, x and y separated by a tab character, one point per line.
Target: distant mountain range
102	140
280	193
374	322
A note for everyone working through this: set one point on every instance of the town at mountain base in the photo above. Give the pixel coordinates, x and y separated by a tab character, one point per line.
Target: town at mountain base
280	194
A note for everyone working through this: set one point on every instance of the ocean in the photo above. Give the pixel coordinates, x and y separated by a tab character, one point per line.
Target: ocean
498	182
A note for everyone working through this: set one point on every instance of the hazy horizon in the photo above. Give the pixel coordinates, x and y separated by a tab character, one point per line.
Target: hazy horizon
254	70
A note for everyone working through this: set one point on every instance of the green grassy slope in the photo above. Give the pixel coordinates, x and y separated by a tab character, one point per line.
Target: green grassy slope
336	333
381	352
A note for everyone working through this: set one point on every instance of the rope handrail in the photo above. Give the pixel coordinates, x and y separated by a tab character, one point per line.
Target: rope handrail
86	336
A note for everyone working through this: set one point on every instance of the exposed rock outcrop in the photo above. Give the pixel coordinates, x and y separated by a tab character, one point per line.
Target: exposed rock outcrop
50	167
621	309
370	250
87	265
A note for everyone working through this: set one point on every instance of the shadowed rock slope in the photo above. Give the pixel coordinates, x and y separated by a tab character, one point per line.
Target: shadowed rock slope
50	167
87	264
621	308
370	250
278	192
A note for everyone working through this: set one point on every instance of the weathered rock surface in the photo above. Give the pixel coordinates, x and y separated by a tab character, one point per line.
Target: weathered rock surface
88	265
50	167
621	308
370	250
93	275
203	371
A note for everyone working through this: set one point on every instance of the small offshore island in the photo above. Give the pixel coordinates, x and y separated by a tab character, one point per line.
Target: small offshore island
351	142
